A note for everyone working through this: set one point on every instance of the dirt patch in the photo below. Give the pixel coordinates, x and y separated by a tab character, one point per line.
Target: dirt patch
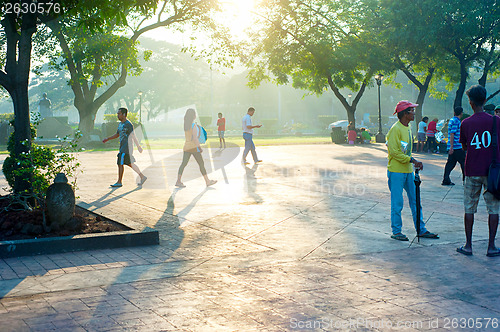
19	225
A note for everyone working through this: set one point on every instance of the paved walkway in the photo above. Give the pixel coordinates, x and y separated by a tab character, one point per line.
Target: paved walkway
301	242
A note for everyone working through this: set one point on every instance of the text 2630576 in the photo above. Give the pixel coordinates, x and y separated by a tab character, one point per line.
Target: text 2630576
44	8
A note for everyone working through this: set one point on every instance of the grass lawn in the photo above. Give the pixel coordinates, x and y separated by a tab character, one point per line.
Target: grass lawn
178	143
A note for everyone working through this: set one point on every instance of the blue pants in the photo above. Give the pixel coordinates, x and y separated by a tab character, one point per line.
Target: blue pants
397	182
249	146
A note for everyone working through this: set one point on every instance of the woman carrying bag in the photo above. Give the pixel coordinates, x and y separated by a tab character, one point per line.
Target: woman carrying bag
192	148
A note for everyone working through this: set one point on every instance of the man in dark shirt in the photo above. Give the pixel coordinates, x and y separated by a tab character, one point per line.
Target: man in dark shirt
475	137
126	133
455	152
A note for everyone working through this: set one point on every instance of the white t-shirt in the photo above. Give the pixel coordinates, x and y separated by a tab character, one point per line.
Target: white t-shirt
247	121
422	126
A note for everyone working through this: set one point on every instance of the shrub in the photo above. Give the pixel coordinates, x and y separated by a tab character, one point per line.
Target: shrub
132	117
6	117
41	164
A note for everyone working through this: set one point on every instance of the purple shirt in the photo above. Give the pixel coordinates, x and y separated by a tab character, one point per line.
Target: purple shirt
476	136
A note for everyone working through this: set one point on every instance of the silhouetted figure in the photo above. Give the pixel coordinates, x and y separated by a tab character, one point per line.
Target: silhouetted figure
44	107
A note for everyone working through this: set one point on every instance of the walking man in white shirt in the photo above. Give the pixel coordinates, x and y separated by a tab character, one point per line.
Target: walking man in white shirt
247	136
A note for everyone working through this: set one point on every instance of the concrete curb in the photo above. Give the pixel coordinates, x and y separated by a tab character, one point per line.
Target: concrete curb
137	235
54	245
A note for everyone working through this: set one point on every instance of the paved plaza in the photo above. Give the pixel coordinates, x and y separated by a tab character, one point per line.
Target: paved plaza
300	242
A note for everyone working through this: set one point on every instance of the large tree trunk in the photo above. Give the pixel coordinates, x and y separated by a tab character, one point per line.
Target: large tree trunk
350	116
22	132
461	86
15	80
350	109
422	88
87	115
420	101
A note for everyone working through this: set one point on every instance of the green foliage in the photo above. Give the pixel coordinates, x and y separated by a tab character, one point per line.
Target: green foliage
298	127
132	117
6	116
205	121
318	45
108	118
100	48
41	164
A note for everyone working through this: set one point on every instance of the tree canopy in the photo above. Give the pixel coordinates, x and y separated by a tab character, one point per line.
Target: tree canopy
99	61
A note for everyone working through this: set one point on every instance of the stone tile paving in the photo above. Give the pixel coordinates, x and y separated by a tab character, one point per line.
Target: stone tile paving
287	250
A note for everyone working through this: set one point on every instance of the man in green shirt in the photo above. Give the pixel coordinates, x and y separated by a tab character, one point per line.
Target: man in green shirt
400	171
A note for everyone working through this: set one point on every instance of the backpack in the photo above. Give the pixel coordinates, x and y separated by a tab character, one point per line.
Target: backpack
202	134
493	186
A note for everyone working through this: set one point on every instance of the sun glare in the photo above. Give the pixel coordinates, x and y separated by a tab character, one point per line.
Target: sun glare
237	15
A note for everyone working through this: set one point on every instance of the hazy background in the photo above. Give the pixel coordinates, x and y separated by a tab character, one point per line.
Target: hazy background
173	80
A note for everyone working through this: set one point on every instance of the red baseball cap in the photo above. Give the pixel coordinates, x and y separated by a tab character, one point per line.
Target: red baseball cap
402	105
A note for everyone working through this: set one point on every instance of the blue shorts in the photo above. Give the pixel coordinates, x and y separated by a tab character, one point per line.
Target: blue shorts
221	134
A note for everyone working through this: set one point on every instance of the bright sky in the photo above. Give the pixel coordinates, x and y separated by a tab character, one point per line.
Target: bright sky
236	15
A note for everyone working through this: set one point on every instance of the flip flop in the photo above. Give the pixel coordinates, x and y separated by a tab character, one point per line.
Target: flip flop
116	185
180	185
429	235
464	252
211	183
400	237
494	254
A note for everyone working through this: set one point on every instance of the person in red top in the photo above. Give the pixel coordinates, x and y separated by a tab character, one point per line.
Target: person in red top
475	136
431	139
221	128
351	134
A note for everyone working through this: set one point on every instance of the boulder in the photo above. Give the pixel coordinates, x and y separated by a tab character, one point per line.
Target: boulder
60	203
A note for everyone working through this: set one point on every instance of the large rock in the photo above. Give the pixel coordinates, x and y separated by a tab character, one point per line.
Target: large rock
60	203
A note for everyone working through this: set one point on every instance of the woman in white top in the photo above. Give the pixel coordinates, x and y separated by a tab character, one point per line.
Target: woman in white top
421	137
192	147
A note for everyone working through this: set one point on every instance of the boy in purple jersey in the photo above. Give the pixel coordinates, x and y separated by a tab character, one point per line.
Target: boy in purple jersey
475	136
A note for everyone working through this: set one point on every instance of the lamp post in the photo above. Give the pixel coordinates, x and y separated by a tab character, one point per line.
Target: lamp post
380	137
140	106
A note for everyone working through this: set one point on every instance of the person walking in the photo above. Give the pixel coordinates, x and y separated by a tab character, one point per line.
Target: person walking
475	137
126	134
221	128
192	148
422	129
400	171
248	137
455	152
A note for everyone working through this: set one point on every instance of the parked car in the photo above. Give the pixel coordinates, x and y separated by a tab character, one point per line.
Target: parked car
342	124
